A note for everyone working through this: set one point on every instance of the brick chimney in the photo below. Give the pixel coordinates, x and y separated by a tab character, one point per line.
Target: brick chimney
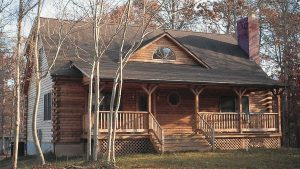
248	37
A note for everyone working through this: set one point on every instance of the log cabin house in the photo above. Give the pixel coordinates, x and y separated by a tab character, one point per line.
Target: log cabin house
183	91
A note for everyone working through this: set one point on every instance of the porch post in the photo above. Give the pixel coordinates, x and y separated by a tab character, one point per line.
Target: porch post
277	93
149	89
240	92
279	112
197	91
154	103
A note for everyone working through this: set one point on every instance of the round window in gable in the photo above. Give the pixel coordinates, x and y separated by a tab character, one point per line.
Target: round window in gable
164	53
174	99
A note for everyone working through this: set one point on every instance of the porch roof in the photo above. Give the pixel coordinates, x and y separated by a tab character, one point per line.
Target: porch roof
174	73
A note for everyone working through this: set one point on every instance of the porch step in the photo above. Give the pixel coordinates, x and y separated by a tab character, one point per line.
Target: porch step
125	136
185	142
170	131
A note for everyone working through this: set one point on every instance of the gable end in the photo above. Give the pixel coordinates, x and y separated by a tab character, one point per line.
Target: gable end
182	54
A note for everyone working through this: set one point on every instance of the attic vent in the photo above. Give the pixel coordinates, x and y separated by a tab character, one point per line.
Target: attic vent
164	53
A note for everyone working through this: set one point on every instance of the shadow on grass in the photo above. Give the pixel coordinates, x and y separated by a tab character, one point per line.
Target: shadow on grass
254	158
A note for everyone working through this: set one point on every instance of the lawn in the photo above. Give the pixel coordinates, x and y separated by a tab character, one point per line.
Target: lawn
256	158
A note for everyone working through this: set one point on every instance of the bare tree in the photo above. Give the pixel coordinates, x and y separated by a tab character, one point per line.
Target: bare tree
37	83
18	55
124	55
55	38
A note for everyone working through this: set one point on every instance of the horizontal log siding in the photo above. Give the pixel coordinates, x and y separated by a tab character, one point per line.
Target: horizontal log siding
186	105
260	102
70	107
146	54
129	100
209	104
170	116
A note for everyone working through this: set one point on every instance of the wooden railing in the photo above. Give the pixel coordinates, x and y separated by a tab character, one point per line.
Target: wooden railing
207	130
260	122
221	122
132	122
252	122
156	131
128	121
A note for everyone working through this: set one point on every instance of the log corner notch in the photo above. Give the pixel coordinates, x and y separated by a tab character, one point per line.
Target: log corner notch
149	89
277	92
240	93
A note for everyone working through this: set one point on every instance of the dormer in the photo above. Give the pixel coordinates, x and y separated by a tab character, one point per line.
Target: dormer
166	49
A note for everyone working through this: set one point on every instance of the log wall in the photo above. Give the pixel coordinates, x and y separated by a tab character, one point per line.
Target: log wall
68	108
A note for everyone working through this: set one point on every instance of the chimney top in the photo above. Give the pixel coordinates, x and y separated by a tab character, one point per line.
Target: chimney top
248	36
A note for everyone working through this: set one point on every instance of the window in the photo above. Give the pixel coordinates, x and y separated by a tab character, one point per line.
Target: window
105	104
164	53
47	106
227	104
245	104
143	103
174	99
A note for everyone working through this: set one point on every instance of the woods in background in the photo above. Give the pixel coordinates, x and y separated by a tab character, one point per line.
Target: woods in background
279	48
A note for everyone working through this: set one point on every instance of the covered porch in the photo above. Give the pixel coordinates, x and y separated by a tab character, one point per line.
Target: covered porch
156	110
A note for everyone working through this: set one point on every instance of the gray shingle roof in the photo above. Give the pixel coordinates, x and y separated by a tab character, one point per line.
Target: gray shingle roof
228	63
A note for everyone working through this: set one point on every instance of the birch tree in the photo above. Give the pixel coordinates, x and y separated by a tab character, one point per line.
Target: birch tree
24	8
55	38
37	80
124	54
99	10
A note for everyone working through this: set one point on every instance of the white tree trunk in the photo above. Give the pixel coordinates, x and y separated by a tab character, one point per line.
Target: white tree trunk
90	104
38	86
34	119
96	113
110	121
18	100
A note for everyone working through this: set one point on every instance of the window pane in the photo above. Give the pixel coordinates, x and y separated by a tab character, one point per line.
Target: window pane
227	104
174	99
245	104
49	106
105	104
45	107
164	53
143	103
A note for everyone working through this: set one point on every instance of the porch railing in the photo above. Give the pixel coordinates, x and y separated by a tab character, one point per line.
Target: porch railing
128	121
132	122
252	122
228	122
207	129
156	131
260	122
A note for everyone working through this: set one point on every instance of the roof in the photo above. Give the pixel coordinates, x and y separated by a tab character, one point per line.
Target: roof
227	62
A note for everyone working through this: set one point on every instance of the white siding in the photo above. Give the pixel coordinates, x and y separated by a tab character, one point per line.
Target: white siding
45	126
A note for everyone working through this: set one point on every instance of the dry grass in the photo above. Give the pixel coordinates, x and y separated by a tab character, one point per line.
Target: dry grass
256	158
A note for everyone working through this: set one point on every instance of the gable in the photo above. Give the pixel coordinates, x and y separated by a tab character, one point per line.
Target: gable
182	56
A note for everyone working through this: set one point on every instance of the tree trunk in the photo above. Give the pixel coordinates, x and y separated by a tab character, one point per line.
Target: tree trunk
96	113
17	124
34	119
111	120
2	151
37	68
90	103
